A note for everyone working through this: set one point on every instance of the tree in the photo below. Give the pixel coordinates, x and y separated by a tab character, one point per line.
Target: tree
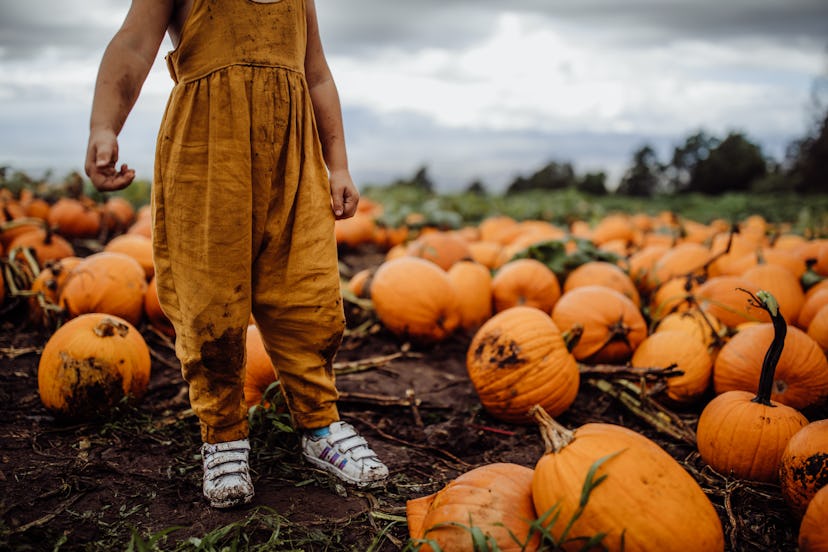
593	183
809	160
733	165
645	175
476	187
696	148
553	176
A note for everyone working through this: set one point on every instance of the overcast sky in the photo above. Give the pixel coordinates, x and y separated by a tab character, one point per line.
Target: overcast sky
470	89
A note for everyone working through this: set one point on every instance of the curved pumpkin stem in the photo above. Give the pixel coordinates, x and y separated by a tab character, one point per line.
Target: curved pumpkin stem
555	436
767	302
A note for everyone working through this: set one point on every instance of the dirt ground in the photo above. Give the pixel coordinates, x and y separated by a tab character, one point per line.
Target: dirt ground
96	486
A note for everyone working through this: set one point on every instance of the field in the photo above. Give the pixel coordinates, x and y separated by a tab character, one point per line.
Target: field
133	481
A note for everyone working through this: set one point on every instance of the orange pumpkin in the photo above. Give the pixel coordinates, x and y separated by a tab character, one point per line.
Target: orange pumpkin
415	299
724	298
74	218
518	359
152	309
744	433
355	231
818	328
801	374
442	248
813	531
90	364
602	273
690	356
639	495
106	282
813	303
697	323
641	263
782	284
526	282
259	373
682	260
473	284
612	326
360	283
487	253
803	469
136	246
46	287
46	245
494	498
118	213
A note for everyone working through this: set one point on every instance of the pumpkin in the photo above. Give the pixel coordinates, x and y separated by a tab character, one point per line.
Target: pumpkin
724	298
90	364
442	248
118	214
813	531
616	226
487	253
106	282
526	282
355	231
743	433
46	245
640	264
803	469
602	273
360	283
518	359
494	498
801	373
473	284
153	311
697	323
612	326
13	228
46	287
682	260
813	303
674	295
74	218
690	356
415	299
136	246
818	328
259	373
782	284
500	229
637	493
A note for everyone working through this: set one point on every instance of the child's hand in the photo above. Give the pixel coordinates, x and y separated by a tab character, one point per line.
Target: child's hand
101	156
344	195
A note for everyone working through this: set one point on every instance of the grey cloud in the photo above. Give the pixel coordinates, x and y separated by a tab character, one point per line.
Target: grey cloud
365	26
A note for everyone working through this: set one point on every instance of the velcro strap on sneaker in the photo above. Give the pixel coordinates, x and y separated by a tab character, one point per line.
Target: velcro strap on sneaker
241	444
226	468
218	458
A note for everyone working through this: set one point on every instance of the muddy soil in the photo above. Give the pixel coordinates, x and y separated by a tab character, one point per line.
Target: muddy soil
137	475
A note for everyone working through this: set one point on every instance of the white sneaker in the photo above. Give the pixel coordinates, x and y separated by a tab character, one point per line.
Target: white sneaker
345	454
226	473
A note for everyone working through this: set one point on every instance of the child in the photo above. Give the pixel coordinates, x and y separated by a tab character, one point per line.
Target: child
250	174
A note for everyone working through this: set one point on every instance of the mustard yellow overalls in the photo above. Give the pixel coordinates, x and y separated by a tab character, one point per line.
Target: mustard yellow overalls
242	218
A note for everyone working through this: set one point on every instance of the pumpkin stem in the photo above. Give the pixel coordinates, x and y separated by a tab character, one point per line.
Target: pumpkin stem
573	335
555	436
108	327
767	302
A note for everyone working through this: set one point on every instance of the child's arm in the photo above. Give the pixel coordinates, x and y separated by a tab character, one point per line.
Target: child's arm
328	113
124	67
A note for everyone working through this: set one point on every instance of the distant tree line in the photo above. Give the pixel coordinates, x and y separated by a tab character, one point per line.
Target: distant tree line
703	164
